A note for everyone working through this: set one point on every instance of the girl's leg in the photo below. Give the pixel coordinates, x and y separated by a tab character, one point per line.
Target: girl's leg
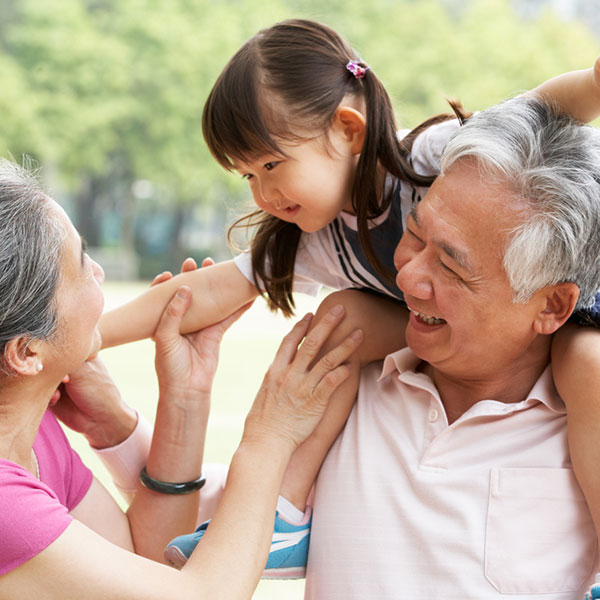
383	321
576	371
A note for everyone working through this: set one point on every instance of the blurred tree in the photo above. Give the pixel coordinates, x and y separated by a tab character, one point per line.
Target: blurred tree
108	95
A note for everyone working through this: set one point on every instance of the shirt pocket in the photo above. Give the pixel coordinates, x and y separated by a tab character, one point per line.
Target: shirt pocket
540	537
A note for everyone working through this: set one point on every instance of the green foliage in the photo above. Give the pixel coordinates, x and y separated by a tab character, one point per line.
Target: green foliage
107	92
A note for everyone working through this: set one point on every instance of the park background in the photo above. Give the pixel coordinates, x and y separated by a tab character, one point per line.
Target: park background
106	97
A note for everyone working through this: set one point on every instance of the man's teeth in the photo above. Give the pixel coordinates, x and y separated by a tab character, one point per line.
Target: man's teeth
428	319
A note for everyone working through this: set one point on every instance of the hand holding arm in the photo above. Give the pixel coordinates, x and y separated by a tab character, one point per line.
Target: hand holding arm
288	406
576	92
217	292
185	365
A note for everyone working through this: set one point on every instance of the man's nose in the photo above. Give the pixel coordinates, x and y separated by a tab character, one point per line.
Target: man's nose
413	278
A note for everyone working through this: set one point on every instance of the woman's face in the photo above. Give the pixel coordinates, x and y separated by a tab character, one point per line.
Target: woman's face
79	298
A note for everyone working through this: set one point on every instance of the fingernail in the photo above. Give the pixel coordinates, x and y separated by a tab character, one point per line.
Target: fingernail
182	293
357	334
307	317
338	309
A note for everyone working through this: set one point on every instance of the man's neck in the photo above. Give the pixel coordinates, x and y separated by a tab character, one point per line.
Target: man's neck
512	383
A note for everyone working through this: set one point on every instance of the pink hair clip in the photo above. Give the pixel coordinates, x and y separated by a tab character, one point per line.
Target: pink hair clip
358	69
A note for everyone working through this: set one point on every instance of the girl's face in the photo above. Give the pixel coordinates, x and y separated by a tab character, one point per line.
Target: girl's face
309	186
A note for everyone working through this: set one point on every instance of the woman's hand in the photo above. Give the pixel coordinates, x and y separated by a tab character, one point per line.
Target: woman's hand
294	392
90	403
186	364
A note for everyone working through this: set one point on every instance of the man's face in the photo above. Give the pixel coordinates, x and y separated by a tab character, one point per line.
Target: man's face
463	319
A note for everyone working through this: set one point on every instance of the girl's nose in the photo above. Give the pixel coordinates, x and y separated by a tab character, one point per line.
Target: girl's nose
269	194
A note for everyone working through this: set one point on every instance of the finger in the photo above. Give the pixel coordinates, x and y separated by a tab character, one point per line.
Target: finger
189	264
162	277
170	321
314	340
208	261
328	363
289	345
328	384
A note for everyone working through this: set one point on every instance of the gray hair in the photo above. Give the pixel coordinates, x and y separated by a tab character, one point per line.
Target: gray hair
30	249
553	163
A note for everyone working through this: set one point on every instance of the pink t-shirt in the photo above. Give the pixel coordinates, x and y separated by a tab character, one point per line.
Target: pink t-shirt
33	513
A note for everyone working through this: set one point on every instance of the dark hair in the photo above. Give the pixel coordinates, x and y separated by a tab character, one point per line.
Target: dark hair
302	64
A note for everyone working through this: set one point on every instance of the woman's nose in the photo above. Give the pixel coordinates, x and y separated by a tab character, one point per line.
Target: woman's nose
98	272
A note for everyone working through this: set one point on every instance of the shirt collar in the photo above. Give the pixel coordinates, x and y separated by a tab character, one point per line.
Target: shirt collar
405	362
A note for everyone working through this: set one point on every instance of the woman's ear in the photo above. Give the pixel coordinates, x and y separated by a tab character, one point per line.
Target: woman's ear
351	125
22	357
558	303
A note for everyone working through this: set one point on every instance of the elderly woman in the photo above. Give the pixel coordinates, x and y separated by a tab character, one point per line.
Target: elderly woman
62	535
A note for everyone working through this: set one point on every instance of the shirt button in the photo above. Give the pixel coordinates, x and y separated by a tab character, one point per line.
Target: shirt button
433	415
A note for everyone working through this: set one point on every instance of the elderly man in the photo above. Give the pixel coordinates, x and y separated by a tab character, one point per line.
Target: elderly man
452	477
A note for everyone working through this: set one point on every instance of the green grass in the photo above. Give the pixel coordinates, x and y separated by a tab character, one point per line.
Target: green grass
246	352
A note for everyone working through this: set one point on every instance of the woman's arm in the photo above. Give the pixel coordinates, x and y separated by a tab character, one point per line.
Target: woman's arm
577	92
82	564
216	291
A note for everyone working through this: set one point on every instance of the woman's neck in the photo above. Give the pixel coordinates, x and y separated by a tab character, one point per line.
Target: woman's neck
22	407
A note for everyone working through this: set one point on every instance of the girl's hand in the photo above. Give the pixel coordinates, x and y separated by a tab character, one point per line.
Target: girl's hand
90	403
186	364
294	392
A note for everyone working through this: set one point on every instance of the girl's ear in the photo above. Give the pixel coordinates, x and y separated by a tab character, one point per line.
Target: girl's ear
21	356
351	125
558	303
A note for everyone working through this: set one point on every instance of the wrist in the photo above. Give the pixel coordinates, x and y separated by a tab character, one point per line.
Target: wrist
113	429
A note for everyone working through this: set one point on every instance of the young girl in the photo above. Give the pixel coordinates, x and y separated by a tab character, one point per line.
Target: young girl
311	127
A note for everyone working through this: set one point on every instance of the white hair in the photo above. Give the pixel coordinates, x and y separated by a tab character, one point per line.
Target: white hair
30	257
552	163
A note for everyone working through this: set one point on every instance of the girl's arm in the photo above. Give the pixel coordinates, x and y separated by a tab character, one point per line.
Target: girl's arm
383	322
577	92
217	292
576	372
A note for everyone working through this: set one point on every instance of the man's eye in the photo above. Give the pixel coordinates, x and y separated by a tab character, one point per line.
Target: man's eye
414	236
449	270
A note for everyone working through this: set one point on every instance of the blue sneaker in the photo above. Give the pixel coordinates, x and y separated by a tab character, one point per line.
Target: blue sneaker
594	591
287	558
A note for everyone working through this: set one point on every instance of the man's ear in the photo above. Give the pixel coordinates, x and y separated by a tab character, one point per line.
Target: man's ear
351	124
557	304
21	356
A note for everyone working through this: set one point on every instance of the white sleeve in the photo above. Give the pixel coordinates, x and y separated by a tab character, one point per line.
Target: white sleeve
427	150
304	283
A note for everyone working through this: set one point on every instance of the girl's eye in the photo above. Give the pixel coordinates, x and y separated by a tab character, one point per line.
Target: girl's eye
270	165
247	176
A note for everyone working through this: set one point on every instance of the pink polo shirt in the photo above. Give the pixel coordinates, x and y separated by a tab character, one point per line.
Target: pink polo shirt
408	506
34	512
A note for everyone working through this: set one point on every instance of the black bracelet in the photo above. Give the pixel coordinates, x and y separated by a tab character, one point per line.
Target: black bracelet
165	487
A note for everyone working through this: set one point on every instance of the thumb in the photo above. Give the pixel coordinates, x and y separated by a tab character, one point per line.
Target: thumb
170	321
